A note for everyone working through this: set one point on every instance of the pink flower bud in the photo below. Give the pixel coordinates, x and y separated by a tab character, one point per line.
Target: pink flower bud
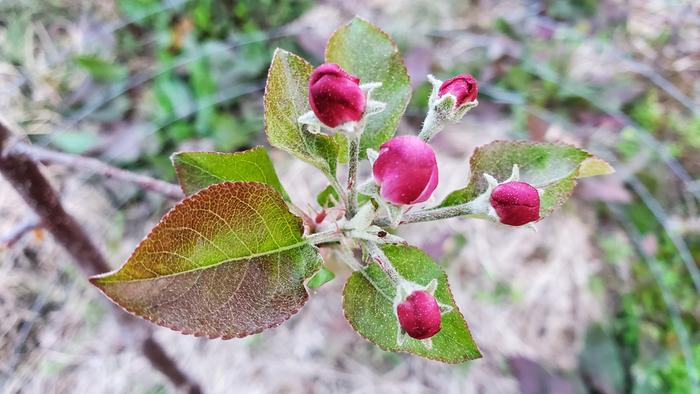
419	315
463	87
335	96
516	203
406	170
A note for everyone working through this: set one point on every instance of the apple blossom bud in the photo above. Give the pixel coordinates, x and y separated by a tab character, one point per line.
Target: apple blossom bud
335	96
419	315
406	170
463	87
516	203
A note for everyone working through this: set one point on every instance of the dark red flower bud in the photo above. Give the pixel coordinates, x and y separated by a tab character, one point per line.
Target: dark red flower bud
419	315
463	87
406	170
516	203
335	96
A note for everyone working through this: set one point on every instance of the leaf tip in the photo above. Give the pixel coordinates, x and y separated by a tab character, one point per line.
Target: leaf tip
175	158
594	166
360	19
100	280
277	51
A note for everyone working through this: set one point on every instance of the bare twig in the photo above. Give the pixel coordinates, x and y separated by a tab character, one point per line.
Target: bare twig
23	228
95	166
34	188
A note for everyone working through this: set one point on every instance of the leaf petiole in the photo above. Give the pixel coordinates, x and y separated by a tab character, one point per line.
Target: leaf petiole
376	254
354	153
427	215
324	237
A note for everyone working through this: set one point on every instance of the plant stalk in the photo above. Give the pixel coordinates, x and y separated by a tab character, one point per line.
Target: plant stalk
431	126
376	253
76	162
324	237
354	161
427	215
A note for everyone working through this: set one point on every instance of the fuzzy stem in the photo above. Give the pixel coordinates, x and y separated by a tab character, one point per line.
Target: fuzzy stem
431	214
354	161
376	253
24	175
36	153
431	126
324	237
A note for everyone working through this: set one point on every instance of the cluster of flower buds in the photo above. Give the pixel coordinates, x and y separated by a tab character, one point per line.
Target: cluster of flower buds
405	171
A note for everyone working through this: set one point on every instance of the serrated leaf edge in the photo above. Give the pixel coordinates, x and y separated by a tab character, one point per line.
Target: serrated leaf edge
440	359
256	148
385	34
95	280
478	151
395	53
318	162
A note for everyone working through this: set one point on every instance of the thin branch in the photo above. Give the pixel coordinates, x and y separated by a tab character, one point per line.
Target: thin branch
37	192
95	166
26	226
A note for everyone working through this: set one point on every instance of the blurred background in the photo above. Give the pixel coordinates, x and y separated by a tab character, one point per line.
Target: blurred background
602	299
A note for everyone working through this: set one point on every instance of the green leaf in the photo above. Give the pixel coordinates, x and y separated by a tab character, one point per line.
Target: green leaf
368	302
226	262
100	69
594	166
553	167
198	170
365	51
327	197
341	141
323	276
286	99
